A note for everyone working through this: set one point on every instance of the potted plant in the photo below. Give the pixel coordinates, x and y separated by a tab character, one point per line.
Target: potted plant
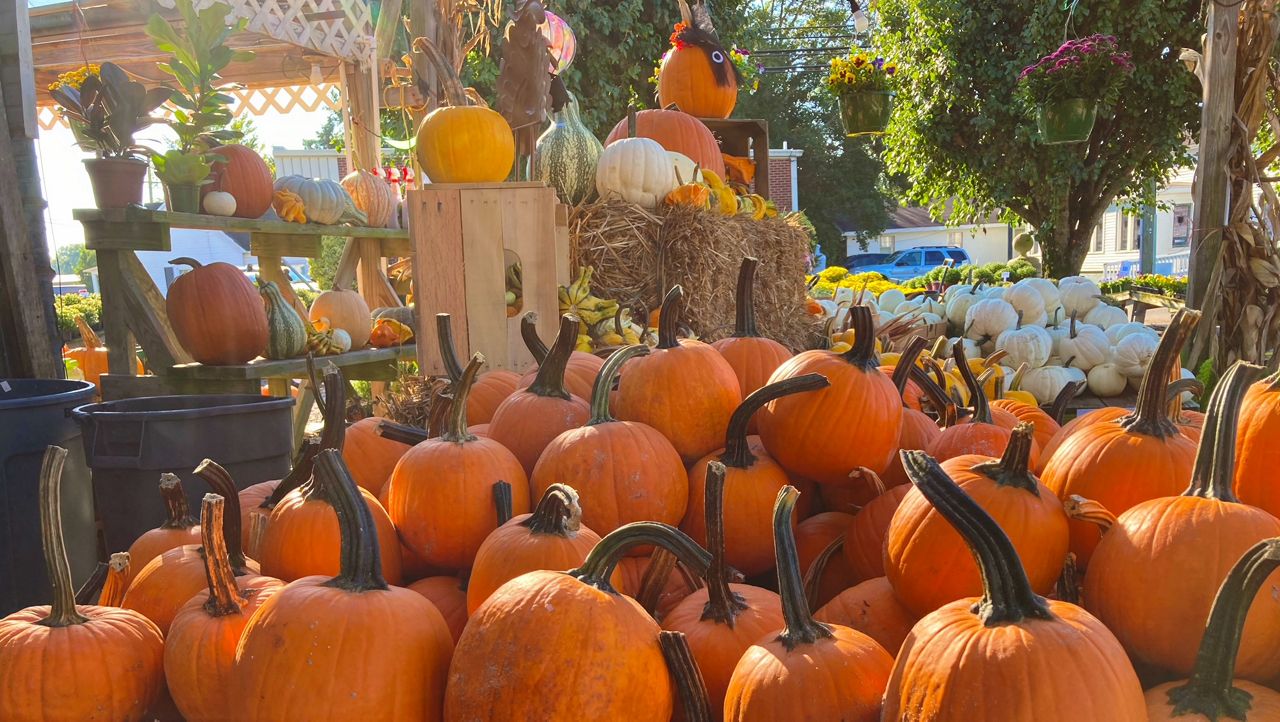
863	86
182	174
105	108
1066	87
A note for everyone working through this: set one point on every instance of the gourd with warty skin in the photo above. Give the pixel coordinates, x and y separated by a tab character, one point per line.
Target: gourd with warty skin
567	155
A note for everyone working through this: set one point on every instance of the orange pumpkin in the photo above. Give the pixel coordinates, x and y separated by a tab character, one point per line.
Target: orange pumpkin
179	529
864	540
657	587
579	372
697	75
871	608
119	651
370	456
919	430
806	670
244	175
1095	416
488	391
1044	424
1257	454
814	536
979	434
216	313
259	500
678	132
344	309
91	356
753	357
449	595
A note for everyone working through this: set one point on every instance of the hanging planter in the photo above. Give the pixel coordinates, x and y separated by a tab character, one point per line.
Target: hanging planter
863	85
1066	87
1066	121
865	112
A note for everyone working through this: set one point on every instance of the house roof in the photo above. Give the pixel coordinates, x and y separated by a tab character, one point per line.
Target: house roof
909	217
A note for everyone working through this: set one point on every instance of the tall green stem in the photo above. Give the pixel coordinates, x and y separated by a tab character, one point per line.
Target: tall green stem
669	318
175	501
723	606
219	479
737	450
455	428
977	395
448	350
529	333
1151	417
604	556
63	611
1213	475
744	325
603	387
906	362
224	596
550	379
361	568
801	627
862	353
1012	469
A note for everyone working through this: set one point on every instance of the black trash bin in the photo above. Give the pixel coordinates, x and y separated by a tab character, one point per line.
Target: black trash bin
35	413
130	442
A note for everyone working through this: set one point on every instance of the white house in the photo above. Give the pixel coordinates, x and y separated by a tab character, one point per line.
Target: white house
912	226
1115	246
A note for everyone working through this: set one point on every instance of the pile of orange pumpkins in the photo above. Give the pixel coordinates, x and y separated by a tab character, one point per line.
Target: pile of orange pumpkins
700	531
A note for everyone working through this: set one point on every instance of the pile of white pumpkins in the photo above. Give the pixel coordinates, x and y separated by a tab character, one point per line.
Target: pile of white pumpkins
1052	333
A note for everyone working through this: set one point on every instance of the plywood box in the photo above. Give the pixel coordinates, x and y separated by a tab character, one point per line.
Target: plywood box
464	237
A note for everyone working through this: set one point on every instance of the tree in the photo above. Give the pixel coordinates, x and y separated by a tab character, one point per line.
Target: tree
73	258
959	132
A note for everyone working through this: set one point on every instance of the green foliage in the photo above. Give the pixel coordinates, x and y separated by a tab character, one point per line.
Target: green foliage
108	109
74	258
1168	285
324	267
959	131
1207	376
175	167
69	305
990	274
306	295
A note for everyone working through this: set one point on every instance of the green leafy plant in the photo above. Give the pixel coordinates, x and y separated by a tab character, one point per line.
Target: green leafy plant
69	305
178	168
106	109
1168	285
860	72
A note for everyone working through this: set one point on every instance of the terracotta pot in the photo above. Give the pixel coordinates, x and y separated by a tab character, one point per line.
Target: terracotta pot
182	198
117	182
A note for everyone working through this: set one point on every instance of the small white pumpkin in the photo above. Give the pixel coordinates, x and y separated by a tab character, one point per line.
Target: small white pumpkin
1048	291
926	317
1028	345
1133	353
911	304
637	170
1106	380
992	292
953	291
1046	382
1027	301
1104	316
958	304
890	299
219	203
829	307
342	340
1084	346
1079	295
686	170
988	318
1120	330
1056	334
929	304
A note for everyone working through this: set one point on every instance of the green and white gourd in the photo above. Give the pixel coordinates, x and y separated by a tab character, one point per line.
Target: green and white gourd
286	331
325	201
566	156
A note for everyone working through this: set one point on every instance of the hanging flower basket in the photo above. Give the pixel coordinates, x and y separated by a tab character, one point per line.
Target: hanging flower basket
1066	121
865	112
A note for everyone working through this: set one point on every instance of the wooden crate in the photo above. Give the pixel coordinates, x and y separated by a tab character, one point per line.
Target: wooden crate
464	236
740	137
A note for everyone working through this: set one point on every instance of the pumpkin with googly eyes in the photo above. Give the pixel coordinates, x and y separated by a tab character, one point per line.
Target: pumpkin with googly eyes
697	75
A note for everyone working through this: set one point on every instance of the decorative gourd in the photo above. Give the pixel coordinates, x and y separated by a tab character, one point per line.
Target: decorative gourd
488	391
178	529
567	154
696	75
219	203
694	195
1183	547
288	205
753	357
1257	454
986	658
200	648
216	313
788	674
871	608
346	310
676	131
625	471
1104	316
323	200
1106	380
810	434
1122	462
286	331
985	320
1213	692
684	388
40	646
459	142
373	195
354	621
636	170
1027	344
245	176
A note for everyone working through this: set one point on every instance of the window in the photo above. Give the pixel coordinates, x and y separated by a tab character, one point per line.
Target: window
955	238
886	244
909	259
1182	225
934	258
960	257
1126	232
1097	238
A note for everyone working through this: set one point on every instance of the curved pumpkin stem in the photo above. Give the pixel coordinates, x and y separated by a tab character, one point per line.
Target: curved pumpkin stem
801	627
223	485
303	468
669	317
977	396
529	334
813	575
454	94
1213	475
441	407
906	362
550	379
654	580
503	502
186	261
603	386
455	428
942	404
1180	386
690	686
63	611
361	560
175	501
1151	417
91	590
1012	469
604	556
88	338
1058	409
1007	596
744	324
224	596
115	583
1210	691
723	605
737	451
1068	587
862	353
334	433
448	350
558	512
1079	508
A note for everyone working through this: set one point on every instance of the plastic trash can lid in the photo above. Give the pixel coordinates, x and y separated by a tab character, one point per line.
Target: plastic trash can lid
24	393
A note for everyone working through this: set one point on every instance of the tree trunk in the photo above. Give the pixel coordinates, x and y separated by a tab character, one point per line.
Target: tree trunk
1063	253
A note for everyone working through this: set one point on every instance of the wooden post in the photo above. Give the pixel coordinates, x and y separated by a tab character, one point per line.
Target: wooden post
1212	183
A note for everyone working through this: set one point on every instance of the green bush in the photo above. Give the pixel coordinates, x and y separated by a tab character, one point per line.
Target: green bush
306	296
324	267
70	305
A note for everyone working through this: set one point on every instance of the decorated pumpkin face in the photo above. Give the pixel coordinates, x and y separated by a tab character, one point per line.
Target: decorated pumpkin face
697	76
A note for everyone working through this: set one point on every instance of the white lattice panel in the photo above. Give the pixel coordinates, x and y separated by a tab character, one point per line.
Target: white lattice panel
250	101
349	36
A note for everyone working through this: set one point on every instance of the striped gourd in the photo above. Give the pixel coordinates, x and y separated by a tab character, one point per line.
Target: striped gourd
567	154
286	331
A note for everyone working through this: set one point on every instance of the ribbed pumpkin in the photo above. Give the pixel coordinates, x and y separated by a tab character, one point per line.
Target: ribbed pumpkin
115	655
919	430
91	355
1010	654
753	480
864	541
825	570
440	495
676	131
200	648
345	309
636	170
449	595
1213	692
373	195
531	418
370	456
286	331
566	155
178	529
1094	416
807	670
625	471
753	357
490	388
245	176
1257	453
325	201
655	585
722	620
871	608
459	142
580	370
1138	457
699	79
854	423
351	647
1153	577
216	313
259	500
684	388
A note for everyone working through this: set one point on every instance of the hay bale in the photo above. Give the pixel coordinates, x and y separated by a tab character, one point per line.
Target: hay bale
638	254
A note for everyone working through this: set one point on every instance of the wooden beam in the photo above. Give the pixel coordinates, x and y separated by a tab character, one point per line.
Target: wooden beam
115	314
148	320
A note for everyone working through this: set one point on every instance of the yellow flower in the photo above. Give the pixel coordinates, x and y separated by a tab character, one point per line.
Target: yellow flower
75	78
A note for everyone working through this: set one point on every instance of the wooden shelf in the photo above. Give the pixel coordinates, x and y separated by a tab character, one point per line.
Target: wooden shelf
293	368
137	214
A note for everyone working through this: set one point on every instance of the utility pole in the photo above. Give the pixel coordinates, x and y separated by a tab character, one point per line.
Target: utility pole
1147	239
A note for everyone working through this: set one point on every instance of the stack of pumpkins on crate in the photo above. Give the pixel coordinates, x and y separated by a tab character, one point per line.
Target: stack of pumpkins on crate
702	532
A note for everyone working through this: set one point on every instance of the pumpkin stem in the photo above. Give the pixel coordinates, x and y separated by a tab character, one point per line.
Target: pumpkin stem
1093	512
224	596
1012	468
737	451
1007	596
1151	417
63	612
550	379
937	396
455	428
114	583
1068	587
723	605
529	333
907	361
502	501
1180	386
454	94
91	590
223	485
1058	409
690	686
669	317
605	555
186	261
558	512
1213	475
1071	330
977	396
654	580
361	569
303	467
88	339
744	325
1210	692
334	433
448	350
175	500
801	627
813	575
441	407
603	386
862	353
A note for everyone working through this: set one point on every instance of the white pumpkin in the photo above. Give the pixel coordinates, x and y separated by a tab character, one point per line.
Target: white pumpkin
1048	291
926	317
890	299
219	203
1120	330
1046	382
637	170
1186	396
1055	316
959	304
1056	334
1133	353
911	304
325	201
971	348
686	170
1084	346
1079	295
988	318
929	304
829	307
1106	380
1006	377
992	292
1028	302
1028	345
953	291
1104	316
